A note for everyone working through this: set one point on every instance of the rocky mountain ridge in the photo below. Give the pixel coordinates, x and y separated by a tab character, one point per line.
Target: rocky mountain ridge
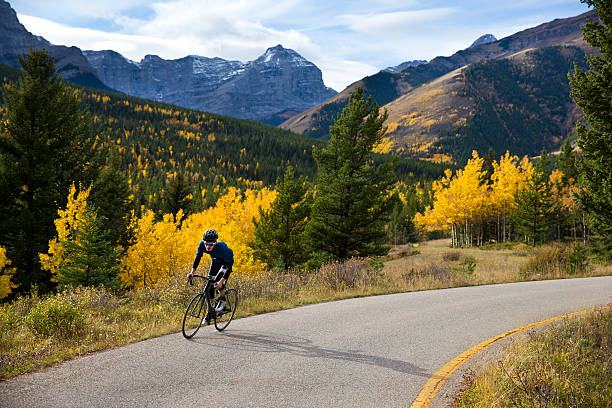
16	40
280	80
483	39
404	65
277	81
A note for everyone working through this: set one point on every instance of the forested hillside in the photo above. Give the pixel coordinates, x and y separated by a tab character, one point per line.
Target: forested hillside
521	104
155	140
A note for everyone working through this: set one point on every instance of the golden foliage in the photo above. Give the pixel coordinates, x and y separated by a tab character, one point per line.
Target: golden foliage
464	200
161	248
70	219
385	145
6	273
440	158
392	127
509	177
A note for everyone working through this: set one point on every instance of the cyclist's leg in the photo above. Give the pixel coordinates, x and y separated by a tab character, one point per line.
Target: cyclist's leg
227	275
214	271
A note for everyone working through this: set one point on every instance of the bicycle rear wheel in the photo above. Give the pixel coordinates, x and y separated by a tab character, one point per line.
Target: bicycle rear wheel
195	313
223	318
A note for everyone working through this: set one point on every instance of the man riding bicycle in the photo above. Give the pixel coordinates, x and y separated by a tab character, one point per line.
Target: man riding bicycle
222	259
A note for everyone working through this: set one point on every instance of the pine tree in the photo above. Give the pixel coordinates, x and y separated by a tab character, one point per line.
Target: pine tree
534	205
279	231
567	162
111	196
489	159
89	256
401	229
45	145
177	196
352	203
592	93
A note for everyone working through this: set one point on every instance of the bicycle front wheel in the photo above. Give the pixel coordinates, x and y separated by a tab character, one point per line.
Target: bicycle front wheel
225	316
195	313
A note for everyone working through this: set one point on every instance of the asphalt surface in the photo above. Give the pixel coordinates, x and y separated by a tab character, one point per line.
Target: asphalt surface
368	352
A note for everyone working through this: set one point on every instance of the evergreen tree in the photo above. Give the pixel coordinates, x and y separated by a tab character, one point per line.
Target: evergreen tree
488	165
89	257
401	229
279	231
177	196
111	196
592	93
45	145
352	204
567	162
533	214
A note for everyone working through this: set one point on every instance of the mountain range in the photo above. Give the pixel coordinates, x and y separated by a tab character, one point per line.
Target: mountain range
280	80
488	95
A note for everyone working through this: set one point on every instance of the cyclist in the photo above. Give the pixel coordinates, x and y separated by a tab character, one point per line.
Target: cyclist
222	259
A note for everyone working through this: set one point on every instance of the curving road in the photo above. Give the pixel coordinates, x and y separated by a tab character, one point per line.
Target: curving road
367	352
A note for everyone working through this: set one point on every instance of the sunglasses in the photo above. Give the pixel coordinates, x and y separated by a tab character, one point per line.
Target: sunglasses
209	243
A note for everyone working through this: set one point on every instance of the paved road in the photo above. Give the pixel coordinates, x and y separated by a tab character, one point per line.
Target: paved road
368	352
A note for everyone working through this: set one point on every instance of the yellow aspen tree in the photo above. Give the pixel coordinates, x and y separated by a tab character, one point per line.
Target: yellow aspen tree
6	273
232	217
564	191
157	251
160	249
460	204
70	219
509	176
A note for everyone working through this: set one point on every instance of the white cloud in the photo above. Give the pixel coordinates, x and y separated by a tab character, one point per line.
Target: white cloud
392	24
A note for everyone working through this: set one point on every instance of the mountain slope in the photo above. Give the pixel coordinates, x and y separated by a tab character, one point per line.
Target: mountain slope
520	103
385	87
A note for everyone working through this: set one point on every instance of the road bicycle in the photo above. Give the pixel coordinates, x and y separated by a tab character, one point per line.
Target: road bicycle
202	304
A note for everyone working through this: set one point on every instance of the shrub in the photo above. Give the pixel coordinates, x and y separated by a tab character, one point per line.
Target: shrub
451	256
555	260
347	274
468	264
578	261
433	270
8	317
55	316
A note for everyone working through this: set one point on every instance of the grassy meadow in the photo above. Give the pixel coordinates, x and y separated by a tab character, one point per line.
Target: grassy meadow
38	331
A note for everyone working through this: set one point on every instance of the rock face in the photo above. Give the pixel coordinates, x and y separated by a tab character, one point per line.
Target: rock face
278	80
484	39
16	40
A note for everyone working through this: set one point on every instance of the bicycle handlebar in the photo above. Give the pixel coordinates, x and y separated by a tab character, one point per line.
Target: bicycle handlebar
199	276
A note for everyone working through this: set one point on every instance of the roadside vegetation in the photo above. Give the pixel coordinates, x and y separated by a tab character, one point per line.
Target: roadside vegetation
40	330
566	366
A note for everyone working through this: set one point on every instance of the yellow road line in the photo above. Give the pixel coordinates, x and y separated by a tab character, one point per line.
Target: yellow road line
435	382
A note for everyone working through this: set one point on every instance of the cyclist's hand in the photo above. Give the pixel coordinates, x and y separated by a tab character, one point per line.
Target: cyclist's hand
189	276
219	284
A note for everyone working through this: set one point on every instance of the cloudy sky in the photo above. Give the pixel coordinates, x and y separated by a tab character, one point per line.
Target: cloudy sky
347	40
